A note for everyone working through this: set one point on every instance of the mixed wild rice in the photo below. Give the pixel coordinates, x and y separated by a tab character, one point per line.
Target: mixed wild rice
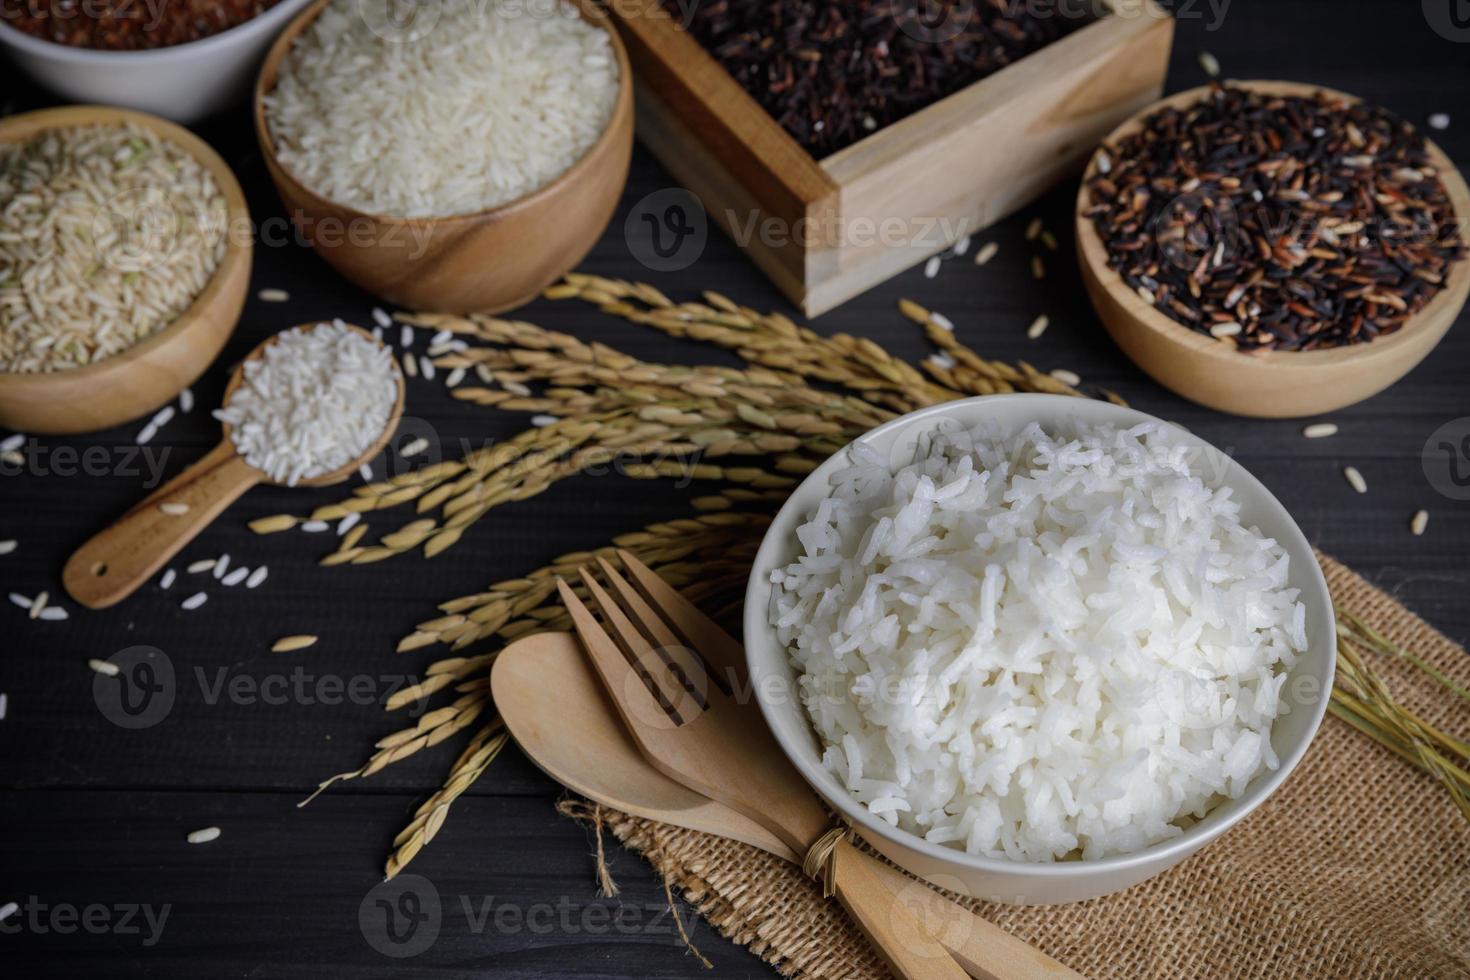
107	234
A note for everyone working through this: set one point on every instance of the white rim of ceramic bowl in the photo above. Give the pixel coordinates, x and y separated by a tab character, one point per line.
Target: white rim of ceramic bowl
278	15
1194	837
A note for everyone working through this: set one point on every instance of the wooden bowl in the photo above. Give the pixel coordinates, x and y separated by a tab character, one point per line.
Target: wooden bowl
1271	384
151	372
486	261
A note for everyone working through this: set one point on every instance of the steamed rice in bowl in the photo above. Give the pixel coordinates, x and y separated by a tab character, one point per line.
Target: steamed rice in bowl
1039	644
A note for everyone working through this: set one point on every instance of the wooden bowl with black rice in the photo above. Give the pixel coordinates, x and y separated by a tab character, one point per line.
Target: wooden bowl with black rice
1285	253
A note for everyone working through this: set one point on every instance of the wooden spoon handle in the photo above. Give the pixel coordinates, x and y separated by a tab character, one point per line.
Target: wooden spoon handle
984	950
114	563
891	925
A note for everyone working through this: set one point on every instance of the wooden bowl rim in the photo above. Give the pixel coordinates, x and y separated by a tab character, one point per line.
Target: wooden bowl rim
395	415
237	214
1094	255
620	118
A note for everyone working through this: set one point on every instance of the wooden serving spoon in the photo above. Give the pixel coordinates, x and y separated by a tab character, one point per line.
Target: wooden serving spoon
560	716
113	564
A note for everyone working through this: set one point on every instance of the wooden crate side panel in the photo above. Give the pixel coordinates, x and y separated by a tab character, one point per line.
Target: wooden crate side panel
728	202
717	113
982	154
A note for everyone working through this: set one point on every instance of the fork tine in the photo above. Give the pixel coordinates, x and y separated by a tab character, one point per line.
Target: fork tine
685	663
635	702
644	656
703	634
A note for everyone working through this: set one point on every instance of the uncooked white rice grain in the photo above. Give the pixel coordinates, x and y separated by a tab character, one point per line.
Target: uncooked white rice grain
38	605
414	447
163	416
410	366
202	565
53	614
168	578
12	442
931	268
221	565
23	602
405	336
986	253
4	707
366	472
145	435
1066	377
315	527
941	321
186	400
235	577
104	667
542	421
426	368
1355	479
1320	430
381	317
441	337
348	523
1419	522
314	401
516	388
7	546
273	296
962	246
174	508
1210	64
1439	120
195	601
256	577
482	109
1038	326
9	908
454	378
12	458
203	836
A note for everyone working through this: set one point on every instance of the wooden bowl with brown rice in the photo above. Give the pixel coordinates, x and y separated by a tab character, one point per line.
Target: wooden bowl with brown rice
63	367
425	177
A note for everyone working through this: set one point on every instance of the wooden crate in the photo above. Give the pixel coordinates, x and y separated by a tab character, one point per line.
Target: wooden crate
826	230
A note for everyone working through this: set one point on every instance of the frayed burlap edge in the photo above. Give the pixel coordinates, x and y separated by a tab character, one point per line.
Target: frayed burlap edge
1357	867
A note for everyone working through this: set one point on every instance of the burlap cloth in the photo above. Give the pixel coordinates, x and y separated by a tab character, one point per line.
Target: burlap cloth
1358	866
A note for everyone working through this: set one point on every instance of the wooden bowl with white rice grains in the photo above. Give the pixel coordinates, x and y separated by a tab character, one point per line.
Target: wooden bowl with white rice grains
449	155
124	262
1038	649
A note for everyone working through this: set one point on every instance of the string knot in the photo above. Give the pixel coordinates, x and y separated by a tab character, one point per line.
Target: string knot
818	864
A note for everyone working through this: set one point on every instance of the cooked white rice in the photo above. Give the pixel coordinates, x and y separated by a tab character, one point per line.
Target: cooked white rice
440	107
313	402
1048	644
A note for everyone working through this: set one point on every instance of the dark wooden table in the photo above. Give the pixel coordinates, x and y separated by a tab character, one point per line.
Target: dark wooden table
94	815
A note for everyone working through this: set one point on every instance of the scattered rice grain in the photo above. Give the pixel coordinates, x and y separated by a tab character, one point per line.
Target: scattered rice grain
1419	522
1320	430
273	296
195	601
288	643
104	667
1355	479
203	836
1038	326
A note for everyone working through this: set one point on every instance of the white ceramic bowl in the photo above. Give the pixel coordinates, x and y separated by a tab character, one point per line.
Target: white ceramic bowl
1306	691
185	82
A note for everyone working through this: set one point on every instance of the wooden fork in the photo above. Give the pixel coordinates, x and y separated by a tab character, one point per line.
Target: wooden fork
690	729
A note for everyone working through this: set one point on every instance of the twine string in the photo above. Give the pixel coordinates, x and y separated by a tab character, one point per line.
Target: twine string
818	864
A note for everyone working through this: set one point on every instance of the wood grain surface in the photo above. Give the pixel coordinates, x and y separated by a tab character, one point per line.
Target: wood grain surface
96	814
